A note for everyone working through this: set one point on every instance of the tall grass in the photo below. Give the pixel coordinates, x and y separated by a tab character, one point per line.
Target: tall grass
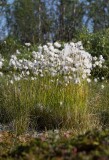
99	103
46	104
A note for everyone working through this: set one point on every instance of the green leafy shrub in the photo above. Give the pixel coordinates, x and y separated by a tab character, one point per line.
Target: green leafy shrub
9	46
97	44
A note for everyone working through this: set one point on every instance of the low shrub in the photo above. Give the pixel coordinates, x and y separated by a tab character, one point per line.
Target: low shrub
57	145
97	44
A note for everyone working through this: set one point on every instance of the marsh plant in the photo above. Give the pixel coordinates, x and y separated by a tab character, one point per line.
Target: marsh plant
49	88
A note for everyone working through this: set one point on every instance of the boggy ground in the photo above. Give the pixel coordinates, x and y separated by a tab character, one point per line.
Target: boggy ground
55	145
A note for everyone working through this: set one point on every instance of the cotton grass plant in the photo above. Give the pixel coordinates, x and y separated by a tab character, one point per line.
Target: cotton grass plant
50	90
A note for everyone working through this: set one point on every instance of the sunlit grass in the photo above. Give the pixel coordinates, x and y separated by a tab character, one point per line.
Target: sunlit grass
45	104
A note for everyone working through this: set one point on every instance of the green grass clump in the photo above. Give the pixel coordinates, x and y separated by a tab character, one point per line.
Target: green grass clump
99	102
45	104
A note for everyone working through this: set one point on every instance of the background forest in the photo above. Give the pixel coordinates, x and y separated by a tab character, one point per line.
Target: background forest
38	21
42	21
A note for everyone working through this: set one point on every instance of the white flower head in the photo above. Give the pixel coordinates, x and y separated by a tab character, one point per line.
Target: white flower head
88	80
1	64
102	78
11	81
102	86
1	74
57	45
28	44
95	80
18	52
